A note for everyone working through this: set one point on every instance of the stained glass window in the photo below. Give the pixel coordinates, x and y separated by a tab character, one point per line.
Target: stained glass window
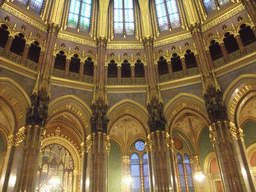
55	161
123	17
135	172
181	173
222	2
189	173
80	14
167	14
145	172
35	5
209	5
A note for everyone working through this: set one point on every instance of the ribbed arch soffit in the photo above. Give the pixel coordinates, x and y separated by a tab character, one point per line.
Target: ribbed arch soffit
74	110
17	100
183	105
130	108
238	93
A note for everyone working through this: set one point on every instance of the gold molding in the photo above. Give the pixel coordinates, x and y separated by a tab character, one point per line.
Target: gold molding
75	39
125	46
223	17
17	138
172	39
24	17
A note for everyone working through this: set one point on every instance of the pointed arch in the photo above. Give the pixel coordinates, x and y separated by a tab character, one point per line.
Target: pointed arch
17	100
184	103
130	108
77	109
237	94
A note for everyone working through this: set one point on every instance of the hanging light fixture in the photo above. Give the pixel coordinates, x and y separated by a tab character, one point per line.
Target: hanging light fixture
199	176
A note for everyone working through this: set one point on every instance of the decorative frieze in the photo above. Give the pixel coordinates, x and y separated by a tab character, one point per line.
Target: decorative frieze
16	139
76	40
223	18
125	46
172	40
24	17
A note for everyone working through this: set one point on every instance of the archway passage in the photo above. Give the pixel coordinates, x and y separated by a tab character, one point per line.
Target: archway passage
56	169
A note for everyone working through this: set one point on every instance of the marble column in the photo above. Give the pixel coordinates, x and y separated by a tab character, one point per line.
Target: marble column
67	68
40	60
158	151
81	72
99	153
8	46
169	63
25	54
210	59
119	77
85	150
224	52
35	122
240	45
203	63
133	74
100	147
184	66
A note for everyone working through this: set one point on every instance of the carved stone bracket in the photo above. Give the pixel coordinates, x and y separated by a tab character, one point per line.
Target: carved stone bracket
87	145
16	139
236	132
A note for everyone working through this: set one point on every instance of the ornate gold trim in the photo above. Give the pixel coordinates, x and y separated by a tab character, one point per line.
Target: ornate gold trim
24	17
223	17
74	39
17	138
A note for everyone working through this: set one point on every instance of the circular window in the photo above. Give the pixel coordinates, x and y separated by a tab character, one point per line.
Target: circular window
140	146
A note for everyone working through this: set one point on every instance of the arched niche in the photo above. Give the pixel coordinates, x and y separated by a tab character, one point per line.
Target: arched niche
70	111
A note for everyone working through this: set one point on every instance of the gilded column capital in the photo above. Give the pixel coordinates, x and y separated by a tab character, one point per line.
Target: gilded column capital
236	132
17	138
107	143
212	129
149	142
53	28
102	41
87	144
195	28
126	159
148	41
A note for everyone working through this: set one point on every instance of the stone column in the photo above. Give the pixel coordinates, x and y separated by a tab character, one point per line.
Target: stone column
169	63
233	168
119	77
25	54
8	46
158	150
36	118
133	74
203	63
156	73
210	59
184	66
173	174
224	52
100	147
81	72
126	172
53	30
240	44
67	68
85	149
40	60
